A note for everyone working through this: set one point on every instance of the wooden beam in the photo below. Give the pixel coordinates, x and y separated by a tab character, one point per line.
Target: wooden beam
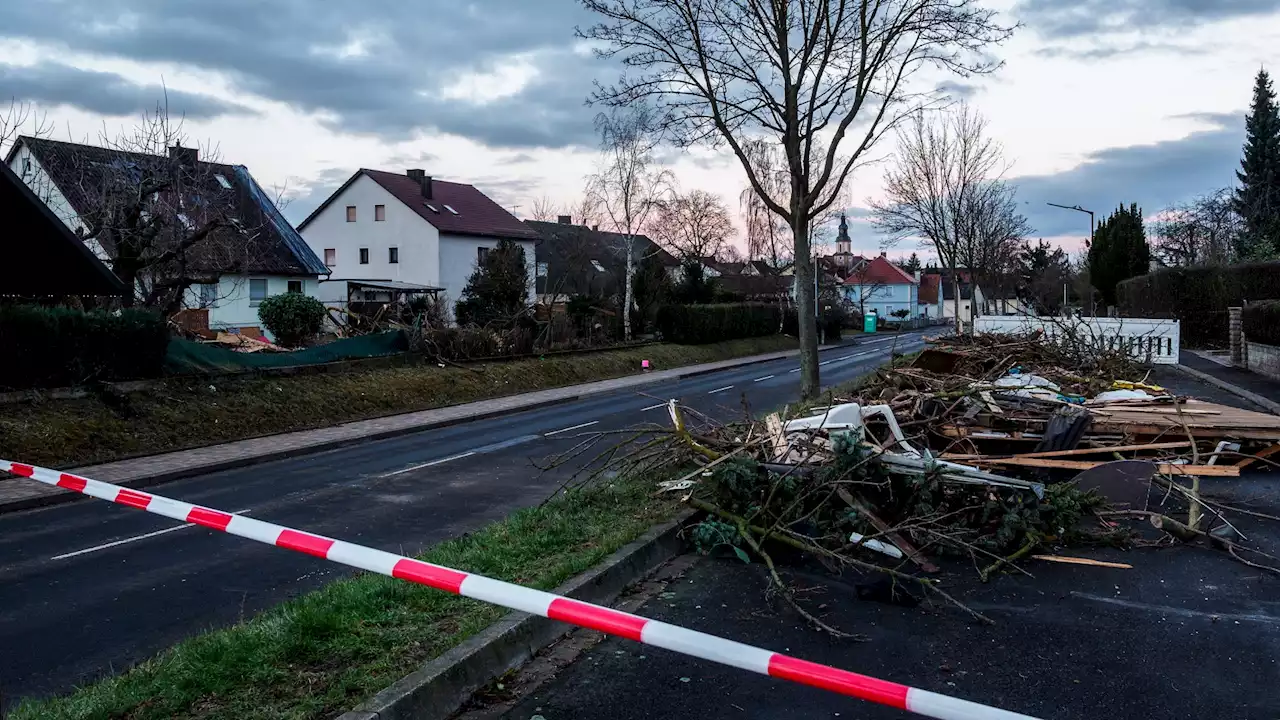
1162	468
1079	451
1268	452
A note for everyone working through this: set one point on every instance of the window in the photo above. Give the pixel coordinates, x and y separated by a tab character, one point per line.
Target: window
446	207
330	257
223	181
482	254
295	286
541	269
351	213
596	264
364	256
393	256
257	291
208	295
431	207
379	213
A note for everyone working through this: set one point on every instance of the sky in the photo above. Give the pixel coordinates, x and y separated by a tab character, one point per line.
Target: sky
1098	102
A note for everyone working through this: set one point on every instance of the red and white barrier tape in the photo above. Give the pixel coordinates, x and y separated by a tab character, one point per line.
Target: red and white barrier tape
595	617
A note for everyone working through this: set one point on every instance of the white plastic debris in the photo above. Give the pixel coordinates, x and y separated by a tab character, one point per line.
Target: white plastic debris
876	545
1112	395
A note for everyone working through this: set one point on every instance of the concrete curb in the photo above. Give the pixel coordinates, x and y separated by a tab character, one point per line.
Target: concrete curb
441	686
143	481
1271	406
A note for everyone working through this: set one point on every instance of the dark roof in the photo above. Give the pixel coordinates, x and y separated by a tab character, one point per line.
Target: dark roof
763	267
756	286
880	271
949	292
568	252
266	244
42	256
723	267
474	213
929	289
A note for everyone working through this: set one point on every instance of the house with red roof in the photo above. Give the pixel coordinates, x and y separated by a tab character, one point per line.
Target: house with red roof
408	232
882	287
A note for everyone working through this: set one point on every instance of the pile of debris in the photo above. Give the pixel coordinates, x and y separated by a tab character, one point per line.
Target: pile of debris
998	449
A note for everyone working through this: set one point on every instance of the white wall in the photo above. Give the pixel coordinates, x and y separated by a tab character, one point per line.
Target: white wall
232	308
26	166
458	259
403	228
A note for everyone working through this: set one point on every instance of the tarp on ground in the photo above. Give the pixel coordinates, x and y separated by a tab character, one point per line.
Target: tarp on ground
187	358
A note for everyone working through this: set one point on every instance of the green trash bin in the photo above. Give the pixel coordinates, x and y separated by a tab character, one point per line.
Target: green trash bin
869	322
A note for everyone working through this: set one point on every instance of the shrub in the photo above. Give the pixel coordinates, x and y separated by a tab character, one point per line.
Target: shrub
1262	322
54	347
831	323
498	290
1199	297
293	318
701	324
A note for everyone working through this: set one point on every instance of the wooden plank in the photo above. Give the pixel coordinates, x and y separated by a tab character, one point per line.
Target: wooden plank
1161	411
1268	452
900	542
1079	451
1082	561
1162	468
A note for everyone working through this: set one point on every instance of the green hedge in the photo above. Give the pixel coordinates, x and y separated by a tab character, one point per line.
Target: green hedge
702	324
57	347
1199	297
1262	322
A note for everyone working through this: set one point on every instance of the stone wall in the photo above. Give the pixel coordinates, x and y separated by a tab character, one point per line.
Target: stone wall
1264	359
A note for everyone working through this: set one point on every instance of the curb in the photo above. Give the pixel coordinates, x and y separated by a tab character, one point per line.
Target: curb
439	688
1270	405
231	464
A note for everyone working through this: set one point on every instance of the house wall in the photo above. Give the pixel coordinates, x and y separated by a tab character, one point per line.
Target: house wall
417	240
26	166
232	307
885	299
458	256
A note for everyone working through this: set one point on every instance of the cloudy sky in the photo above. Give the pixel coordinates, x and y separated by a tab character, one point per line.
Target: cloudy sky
1100	102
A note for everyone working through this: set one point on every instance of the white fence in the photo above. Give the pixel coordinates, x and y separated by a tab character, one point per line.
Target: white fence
1148	340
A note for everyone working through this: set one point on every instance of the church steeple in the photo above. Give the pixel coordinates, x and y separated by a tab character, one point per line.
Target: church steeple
843	243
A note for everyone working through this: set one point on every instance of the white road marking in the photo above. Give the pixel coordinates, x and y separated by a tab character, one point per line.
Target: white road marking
575	427
653	407
766	377
128	540
827	362
428	464
794	371
726	387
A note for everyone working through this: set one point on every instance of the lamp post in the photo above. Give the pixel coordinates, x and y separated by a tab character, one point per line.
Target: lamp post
1077	208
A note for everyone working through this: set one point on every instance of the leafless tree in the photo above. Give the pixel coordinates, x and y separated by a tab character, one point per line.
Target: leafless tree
22	118
628	186
730	253
808	75
696	224
768	236
943	175
992	238
544	209
1204	231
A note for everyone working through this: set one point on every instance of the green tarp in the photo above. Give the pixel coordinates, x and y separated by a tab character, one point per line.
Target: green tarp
187	358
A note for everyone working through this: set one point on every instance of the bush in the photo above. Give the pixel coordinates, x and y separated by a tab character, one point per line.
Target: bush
831	323
55	347
1262	322
701	324
1199	297
293	318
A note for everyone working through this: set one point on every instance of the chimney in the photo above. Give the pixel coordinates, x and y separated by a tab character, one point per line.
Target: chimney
423	179
565	219
426	186
184	156
883	253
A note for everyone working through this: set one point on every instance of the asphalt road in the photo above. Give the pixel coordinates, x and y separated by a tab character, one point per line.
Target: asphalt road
89	588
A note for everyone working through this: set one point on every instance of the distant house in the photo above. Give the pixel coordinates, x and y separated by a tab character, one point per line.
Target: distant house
929	300
268	255
971	295
42	256
884	288
578	260
411	230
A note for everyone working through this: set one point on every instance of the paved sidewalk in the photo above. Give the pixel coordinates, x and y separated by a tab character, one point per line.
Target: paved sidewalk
1256	388
154	469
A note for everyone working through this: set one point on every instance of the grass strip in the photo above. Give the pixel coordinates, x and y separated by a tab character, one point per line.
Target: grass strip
181	414
324	652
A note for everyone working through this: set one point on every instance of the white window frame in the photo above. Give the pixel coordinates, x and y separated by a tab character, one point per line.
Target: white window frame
266	291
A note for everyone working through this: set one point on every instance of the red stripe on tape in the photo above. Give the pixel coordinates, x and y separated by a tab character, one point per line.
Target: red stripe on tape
209	518
597	618
441	578
23	470
304	542
841	681
71	482
133	498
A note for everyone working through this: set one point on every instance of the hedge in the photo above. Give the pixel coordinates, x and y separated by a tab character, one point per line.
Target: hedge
702	324
293	318
58	347
1262	322
1199	297
830	324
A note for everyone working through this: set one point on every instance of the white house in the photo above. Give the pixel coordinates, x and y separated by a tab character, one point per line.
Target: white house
269	256
410	229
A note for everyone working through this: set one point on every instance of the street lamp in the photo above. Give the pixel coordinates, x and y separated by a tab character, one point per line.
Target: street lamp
1077	208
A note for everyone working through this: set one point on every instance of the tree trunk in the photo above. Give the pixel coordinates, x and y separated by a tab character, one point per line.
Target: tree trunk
955	291
628	292
806	303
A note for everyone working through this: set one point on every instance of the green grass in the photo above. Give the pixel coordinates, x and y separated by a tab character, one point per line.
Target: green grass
180	414
325	652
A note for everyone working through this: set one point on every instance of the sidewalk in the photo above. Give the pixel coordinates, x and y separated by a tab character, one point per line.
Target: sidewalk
1249	385
155	469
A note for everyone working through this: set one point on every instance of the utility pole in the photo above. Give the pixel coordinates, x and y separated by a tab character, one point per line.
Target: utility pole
1077	208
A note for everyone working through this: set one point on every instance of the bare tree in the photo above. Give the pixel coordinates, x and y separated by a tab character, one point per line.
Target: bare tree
943	176
992	237
696	224
628	187
768	236
806	74
730	253
544	209
22	118
1204	231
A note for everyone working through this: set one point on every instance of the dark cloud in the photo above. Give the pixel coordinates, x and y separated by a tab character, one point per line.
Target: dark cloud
1081	18
105	93
957	90
1154	176
377	67
1105	50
